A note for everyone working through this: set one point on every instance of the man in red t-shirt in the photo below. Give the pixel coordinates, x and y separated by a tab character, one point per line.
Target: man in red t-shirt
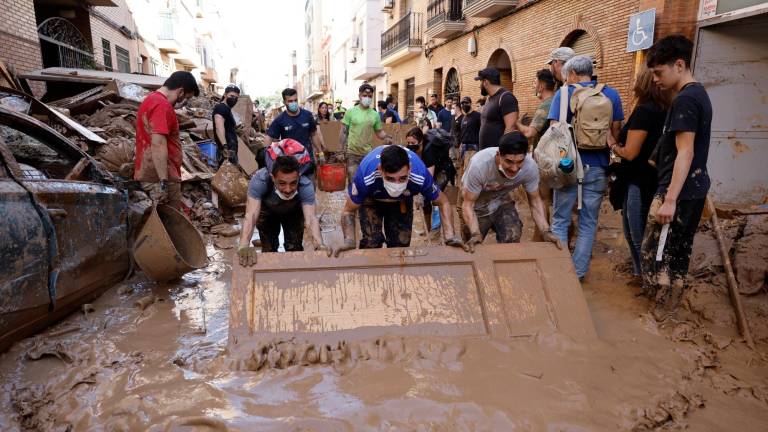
158	148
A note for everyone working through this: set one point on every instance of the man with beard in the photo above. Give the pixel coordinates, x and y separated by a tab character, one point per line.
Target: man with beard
157	164
500	113
224	124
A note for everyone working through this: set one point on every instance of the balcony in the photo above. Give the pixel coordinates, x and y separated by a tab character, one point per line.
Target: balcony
402	41
166	39
209	74
487	8
444	18
314	83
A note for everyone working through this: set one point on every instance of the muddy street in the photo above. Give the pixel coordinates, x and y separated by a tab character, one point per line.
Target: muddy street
126	365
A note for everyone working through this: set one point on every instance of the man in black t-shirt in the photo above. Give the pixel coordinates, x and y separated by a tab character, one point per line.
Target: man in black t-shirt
682	170
500	112
224	125
467	131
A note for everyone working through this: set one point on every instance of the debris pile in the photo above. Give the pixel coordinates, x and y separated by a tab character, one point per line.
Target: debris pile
101	120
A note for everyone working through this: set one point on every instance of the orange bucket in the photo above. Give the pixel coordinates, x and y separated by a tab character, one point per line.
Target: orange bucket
332	177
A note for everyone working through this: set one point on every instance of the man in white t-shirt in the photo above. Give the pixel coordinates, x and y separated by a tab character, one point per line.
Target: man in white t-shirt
487	186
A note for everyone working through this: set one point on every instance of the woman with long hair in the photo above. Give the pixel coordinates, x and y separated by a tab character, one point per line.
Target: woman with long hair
636	177
323	113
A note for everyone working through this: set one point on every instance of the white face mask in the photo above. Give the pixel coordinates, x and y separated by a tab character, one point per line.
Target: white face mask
395	189
286	197
504	173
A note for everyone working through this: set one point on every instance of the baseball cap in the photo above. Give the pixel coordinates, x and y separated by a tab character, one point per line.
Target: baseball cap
466	99
232	88
491	74
561	53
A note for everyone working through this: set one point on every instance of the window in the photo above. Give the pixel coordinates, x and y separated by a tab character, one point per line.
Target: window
123	59
106	47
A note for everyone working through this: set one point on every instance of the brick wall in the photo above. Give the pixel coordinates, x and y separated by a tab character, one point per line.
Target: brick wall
103	21
19	45
528	35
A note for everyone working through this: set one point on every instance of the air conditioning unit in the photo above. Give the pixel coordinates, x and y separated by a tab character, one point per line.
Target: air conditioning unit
387	5
355	42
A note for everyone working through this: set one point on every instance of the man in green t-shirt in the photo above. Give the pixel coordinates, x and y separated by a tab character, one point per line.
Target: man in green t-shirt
359	125
545	90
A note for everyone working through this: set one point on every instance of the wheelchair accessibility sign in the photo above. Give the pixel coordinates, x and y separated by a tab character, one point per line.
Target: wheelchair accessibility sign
640	34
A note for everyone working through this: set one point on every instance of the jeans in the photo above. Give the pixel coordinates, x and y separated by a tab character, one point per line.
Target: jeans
564	201
634	215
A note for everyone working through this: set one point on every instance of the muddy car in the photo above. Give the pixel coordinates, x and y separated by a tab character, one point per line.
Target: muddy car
64	234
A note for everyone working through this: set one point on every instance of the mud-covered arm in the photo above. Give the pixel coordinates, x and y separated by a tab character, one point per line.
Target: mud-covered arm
317	142
446	215
252	210
538	212
160	155
218	122
468	210
348	221
343	138
312	225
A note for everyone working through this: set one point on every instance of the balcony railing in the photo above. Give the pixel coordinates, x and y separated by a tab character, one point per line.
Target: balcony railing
487	8
405	33
166	26
443	10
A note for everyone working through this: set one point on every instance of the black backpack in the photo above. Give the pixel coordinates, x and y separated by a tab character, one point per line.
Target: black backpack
441	141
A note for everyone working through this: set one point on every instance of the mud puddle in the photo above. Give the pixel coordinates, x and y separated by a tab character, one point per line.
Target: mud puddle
126	365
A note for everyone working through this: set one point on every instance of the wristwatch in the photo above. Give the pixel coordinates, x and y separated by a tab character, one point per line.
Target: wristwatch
163	185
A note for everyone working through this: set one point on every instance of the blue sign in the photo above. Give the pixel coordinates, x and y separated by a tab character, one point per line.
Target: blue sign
640	34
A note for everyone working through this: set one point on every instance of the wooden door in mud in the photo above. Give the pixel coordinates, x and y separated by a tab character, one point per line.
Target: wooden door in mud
507	290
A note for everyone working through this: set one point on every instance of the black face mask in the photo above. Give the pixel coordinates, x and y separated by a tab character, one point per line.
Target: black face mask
413	148
466	108
483	91
231	101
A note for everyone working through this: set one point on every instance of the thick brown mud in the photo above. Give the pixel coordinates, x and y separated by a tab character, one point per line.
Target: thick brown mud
153	357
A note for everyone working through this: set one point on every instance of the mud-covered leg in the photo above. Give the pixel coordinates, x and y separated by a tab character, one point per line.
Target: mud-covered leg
650	268
371	221
507	224
269	232
398	223
293	231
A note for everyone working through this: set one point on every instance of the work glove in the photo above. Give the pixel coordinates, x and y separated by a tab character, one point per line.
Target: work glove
322	247
247	256
348	245
549	236
456	242
473	241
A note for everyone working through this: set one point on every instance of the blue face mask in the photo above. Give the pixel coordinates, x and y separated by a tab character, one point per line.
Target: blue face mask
293	106
366	101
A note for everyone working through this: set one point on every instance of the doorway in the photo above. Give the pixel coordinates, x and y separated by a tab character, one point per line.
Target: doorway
501	61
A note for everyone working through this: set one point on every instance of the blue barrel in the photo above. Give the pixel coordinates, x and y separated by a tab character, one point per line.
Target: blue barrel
208	149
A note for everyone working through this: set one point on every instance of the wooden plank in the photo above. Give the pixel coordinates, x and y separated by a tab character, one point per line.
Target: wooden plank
93	77
503	290
246	158
244	110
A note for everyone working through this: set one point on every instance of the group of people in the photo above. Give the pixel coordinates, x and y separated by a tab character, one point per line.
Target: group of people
661	179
